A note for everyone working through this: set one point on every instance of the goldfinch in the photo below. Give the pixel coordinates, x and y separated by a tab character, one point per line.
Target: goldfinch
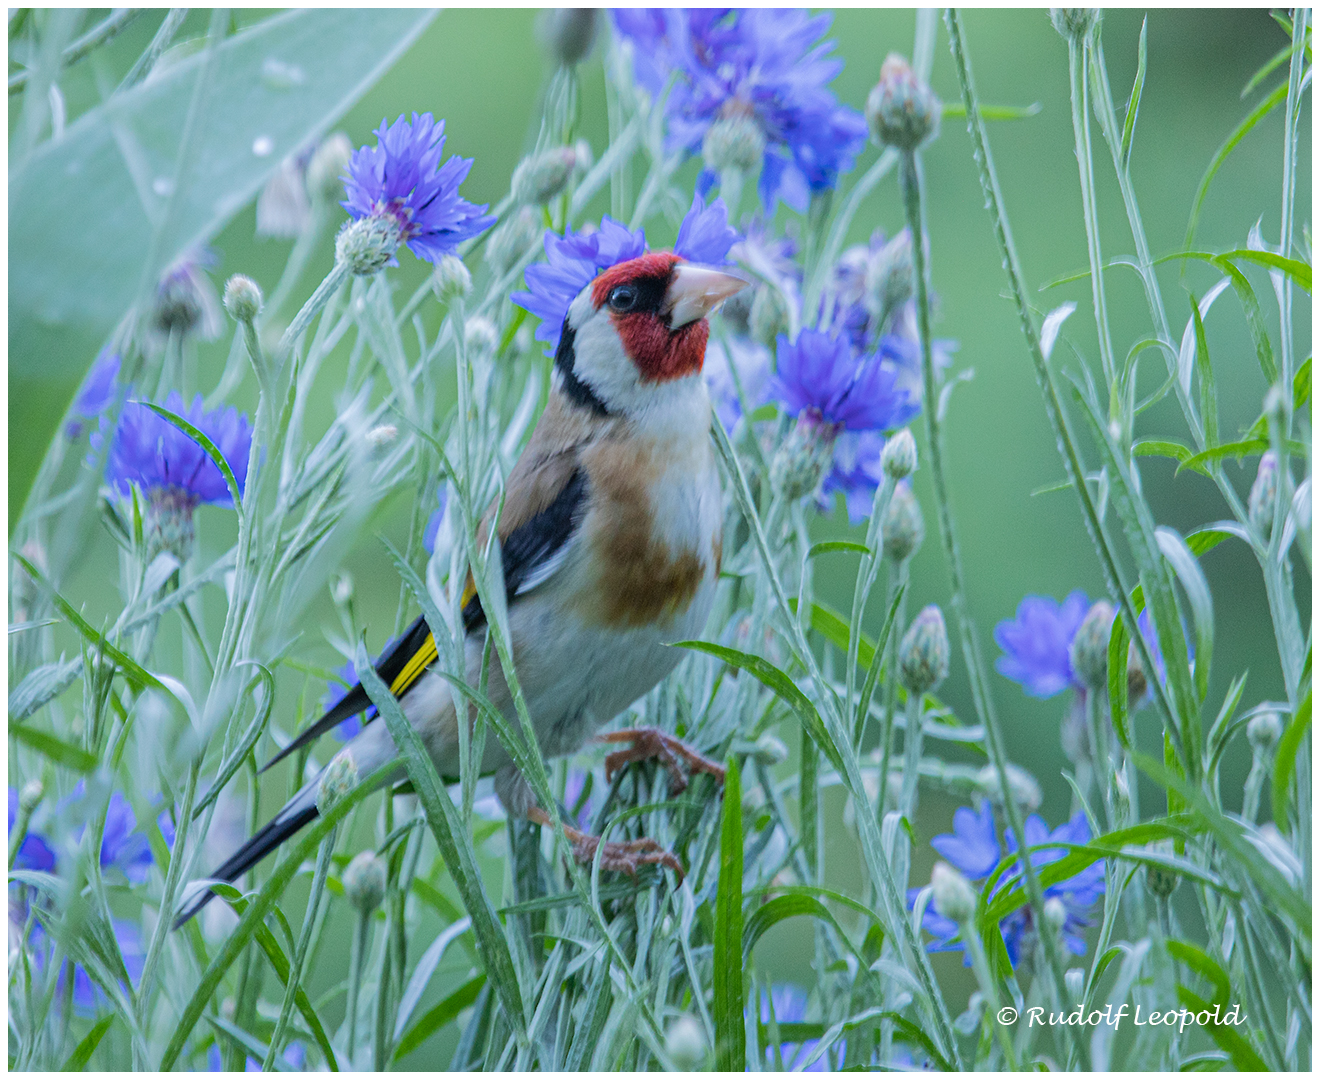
610	539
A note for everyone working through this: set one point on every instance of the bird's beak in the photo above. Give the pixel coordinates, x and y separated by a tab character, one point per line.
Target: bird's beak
694	291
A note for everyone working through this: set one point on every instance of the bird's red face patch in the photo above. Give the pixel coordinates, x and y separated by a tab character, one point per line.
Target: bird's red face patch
634	292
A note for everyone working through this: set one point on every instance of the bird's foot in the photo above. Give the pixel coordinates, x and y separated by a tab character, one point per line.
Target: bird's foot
648	743
621	856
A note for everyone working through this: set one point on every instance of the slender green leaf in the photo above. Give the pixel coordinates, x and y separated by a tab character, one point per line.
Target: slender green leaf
784	687
82	1053
779	908
41	685
1272	64
995	112
1286	760
834	628
1209	396
1275	98
730	1034
1184	564
58	751
827	546
1245	1058
1255	320
1134	99
1201	541
1118	682
247	742
439	1015
1196	959
1237	450
1302	385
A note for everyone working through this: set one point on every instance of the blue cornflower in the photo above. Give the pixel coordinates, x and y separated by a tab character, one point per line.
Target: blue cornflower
87	995
152	453
974	848
123	848
574	260
766	67
186	301
751	362
295	1056
856	472
788	1005
401	177
821	376
35	853
1037	641
97	392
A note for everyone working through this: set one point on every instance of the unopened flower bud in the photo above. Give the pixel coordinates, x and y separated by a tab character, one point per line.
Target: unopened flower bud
1263	731
770	750
338	780
1260	503
923	654
540	177
800	462
769	315
1160	879
888	284
364	881
1021	785
1056	914
367	245
735	141
952	894
1136	677
168	522
242	298
685	1043
329	164
382	435
901	110
451	280
30	796
569	33
1089	653
899	457
517	233
480	335
903	527
341	587
1075	22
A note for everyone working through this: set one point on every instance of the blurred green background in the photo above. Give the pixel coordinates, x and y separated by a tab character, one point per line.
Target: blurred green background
483	71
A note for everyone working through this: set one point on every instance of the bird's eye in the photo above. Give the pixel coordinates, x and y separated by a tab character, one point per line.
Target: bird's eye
623	298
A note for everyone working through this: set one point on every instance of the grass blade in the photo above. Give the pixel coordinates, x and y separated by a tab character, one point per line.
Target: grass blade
1134	100
1284	763
730	1032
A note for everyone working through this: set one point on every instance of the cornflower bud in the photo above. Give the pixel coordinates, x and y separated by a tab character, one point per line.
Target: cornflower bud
1056	914
539	178
902	527
734	141
451	280
1136	677
341	587
1264	491
1160	879
1075	22
510	241
685	1043
1263	731
1022	785
952	894
338	780
367	244
798	466
901	110
569	33
899	457
769	315
30	796
923	654
888	283
326	170
242	298
480	335
1089	652
364	881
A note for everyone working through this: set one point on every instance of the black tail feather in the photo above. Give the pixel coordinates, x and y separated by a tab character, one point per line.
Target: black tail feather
300	811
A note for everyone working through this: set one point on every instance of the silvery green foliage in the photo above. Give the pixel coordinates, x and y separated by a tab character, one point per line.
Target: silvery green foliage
521	959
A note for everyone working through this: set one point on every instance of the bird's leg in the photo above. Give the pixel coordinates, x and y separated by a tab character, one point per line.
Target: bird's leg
626	856
647	743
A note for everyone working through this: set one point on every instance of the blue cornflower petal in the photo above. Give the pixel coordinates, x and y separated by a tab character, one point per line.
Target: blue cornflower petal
434	522
97	392
705	235
34	853
972	847
402	176
820	373
856	472
149	451
1036	643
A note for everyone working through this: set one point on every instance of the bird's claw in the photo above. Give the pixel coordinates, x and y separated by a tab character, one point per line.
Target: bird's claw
648	743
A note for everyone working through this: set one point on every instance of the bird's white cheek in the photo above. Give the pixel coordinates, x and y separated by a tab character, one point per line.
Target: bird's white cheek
600	362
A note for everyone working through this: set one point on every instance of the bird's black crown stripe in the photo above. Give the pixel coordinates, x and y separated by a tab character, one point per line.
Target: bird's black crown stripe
578	392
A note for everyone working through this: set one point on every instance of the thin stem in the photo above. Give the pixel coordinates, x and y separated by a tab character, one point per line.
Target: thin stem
142	67
356	957
328	287
910	182
77	49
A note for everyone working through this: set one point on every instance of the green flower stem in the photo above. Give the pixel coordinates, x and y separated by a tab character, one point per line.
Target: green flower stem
898	576
1102	757
912	739
1081	119
356	961
731	190
1301	16
298	969
910	182
19	832
989	988
867	572
329	286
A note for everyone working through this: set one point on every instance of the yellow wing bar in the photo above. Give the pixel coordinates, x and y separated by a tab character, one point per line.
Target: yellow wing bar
416	664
